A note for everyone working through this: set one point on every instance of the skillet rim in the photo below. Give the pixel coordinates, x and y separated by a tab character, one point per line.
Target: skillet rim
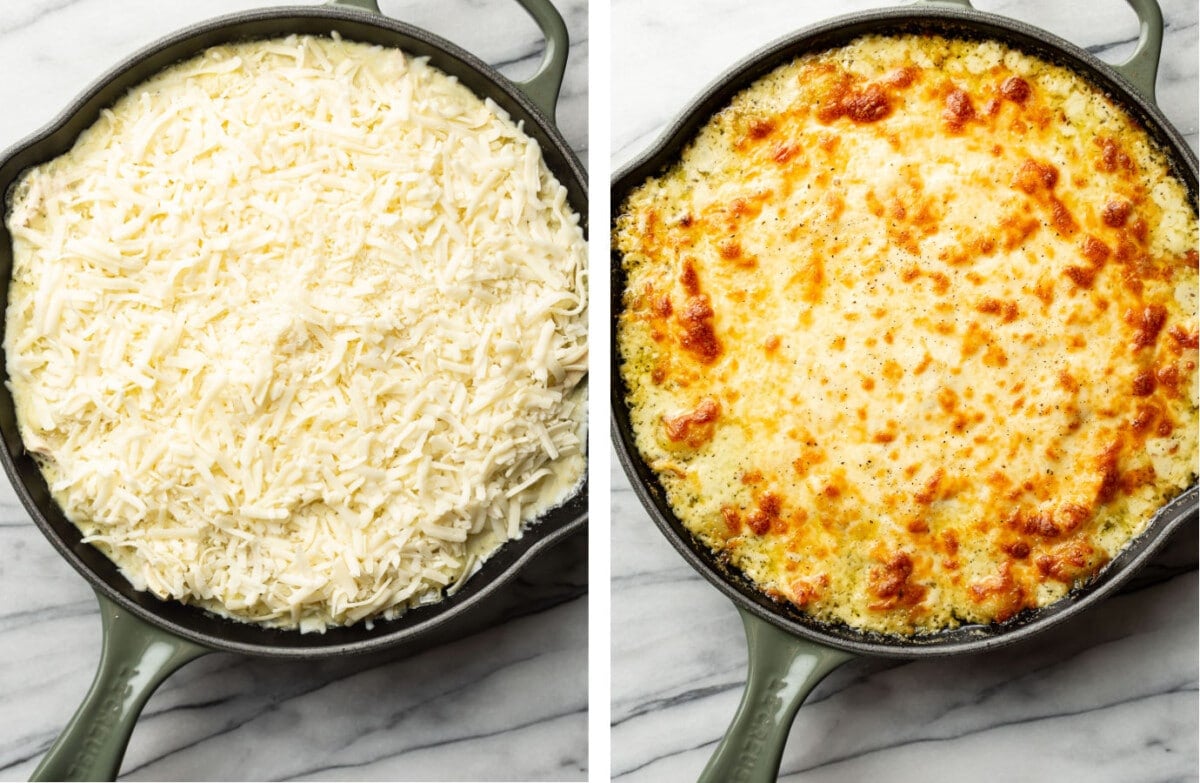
453	615
666	149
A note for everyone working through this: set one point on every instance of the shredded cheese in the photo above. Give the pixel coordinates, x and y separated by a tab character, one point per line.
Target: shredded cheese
297	332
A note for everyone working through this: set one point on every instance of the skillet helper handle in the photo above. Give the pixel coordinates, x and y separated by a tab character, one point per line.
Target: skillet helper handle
543	87
1141	69
783	670
135	658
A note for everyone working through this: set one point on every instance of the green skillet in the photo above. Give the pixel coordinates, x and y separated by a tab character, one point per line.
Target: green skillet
146	639
789	652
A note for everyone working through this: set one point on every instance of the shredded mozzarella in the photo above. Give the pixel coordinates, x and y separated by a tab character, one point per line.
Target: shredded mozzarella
297	331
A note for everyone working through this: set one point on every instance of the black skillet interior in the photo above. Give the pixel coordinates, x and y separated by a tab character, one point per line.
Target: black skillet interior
950	22
457	614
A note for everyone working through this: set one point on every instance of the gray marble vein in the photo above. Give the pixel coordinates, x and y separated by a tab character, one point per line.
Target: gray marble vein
507	703
1108	697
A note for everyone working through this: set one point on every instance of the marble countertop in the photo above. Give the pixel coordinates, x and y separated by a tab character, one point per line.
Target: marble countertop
507	703
1109	696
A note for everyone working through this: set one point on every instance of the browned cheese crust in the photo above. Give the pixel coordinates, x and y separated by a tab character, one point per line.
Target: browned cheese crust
910	332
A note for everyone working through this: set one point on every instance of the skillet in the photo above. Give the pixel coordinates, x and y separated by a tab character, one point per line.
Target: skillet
145	639
790	653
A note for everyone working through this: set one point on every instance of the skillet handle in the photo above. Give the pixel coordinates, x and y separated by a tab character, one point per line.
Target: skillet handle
543	87
1141	69
783	670
135	658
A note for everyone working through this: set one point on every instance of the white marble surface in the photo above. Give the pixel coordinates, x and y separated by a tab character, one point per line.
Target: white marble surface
1110	696
509	703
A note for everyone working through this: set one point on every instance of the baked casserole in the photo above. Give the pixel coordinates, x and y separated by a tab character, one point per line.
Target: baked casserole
909	332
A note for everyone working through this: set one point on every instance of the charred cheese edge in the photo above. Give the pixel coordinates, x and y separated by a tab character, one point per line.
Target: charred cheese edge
910	332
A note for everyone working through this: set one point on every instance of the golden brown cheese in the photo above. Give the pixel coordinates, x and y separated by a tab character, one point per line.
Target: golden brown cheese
910	332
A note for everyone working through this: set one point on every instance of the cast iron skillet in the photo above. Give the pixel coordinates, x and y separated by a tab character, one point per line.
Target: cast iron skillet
146	639
789	652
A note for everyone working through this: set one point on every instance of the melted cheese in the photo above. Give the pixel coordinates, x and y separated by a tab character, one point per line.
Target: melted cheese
910	332
297	332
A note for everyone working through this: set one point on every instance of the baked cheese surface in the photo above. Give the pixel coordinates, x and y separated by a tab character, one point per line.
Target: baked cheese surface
910	332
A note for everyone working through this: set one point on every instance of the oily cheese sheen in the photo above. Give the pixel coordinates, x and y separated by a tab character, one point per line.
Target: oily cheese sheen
909	332
297	332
